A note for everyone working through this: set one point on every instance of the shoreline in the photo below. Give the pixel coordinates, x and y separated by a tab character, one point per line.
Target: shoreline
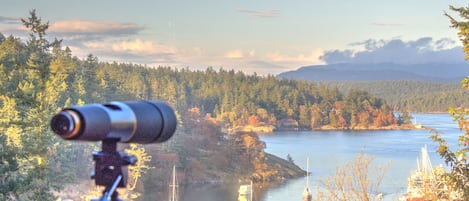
272	129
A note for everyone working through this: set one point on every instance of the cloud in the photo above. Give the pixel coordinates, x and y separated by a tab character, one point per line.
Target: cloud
262	14
13	26
134	51
78	33
423	50
239	54
234	54
313	57
82	27
386	24
9	20
139	46
252	53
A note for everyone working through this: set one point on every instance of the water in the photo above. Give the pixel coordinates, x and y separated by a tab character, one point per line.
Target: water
327	150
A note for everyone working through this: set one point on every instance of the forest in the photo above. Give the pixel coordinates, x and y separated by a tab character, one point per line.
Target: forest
432	97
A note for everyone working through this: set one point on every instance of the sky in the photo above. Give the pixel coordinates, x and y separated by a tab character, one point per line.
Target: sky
261	36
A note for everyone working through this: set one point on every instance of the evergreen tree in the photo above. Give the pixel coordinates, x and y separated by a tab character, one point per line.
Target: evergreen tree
405	118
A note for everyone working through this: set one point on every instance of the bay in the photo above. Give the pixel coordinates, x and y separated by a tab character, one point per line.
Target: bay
327	150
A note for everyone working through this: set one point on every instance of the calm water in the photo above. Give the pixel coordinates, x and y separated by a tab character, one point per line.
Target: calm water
328	149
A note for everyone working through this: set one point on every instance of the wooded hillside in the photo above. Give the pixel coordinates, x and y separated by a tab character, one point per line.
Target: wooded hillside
412	96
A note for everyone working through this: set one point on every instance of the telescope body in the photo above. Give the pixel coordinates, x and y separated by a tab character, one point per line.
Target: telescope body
140	122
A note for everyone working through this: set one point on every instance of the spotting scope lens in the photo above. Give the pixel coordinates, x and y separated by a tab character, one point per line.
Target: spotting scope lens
64	124
61	124
130	122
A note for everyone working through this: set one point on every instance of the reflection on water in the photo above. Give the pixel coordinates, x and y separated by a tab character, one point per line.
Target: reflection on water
213	192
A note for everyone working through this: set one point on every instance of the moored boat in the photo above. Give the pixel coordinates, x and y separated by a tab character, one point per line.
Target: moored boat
427	182
245	192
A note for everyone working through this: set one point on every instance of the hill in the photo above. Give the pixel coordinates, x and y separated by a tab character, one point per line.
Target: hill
380	71
417	88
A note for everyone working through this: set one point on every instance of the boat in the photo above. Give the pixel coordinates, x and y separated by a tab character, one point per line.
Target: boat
245	192
307	196
427	183
417	125
174	187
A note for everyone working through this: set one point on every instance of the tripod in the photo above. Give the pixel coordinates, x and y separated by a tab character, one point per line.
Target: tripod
111	169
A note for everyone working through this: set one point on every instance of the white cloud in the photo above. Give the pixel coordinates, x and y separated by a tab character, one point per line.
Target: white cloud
129	51
136	46
83	27
252	53
422	50
313	57
263	14
234	54
139	46
239	54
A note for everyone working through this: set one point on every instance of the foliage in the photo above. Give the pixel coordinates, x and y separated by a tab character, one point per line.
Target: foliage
405	118
357	180
24	129
38	78
137	170
458	159
458	176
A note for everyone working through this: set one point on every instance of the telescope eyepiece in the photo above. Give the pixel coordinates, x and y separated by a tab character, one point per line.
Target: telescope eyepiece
66	124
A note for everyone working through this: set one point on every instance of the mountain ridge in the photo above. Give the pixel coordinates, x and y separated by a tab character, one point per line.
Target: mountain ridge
441	72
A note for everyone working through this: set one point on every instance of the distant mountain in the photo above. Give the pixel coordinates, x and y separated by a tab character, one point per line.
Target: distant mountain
381	71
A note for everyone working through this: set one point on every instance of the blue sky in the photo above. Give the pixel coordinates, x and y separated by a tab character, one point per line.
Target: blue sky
267	37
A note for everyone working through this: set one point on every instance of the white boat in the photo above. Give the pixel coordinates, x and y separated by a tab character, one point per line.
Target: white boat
427	183
417	125
307	196
245	192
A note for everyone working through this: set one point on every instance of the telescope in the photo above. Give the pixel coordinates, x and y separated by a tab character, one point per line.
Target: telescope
141	122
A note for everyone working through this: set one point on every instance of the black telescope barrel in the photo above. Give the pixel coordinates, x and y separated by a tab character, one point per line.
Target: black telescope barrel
153	117
129	122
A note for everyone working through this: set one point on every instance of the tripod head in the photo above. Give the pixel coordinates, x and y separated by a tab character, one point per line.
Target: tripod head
111	169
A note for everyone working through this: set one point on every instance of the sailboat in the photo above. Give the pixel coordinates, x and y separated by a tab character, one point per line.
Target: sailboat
173	187
427	182
307	196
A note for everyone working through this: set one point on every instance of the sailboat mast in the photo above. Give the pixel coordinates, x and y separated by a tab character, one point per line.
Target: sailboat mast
173	194
251	191
307	172
174	183
307	191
